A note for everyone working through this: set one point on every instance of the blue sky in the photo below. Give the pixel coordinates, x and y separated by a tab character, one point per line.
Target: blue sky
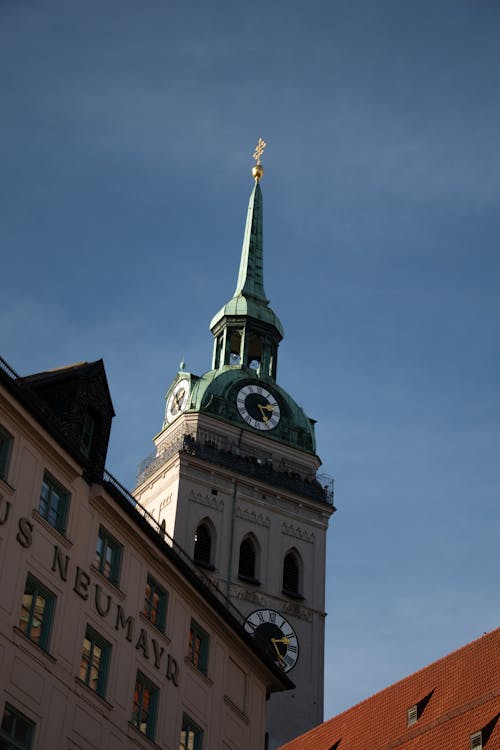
126	136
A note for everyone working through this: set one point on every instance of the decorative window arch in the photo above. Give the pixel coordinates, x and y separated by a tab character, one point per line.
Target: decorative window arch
204	543
292	574
248	559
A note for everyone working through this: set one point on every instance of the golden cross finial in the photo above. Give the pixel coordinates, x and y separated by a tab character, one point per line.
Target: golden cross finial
259	150
258	169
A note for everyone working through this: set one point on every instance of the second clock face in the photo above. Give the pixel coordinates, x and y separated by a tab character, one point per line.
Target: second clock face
275	635
178	399
258	407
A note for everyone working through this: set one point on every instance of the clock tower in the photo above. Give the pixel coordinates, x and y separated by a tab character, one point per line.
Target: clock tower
234	482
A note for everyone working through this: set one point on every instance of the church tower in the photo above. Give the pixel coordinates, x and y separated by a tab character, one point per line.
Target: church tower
234	482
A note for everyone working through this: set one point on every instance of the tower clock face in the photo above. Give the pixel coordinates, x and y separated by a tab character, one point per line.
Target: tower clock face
178	400
258	407
276	635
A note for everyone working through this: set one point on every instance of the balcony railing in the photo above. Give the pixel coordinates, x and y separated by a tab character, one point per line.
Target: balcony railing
321	488
161	531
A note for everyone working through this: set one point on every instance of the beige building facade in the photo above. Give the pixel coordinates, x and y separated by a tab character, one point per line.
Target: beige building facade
109	636
197	481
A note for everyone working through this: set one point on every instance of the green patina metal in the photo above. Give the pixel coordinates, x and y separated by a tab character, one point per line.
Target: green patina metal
215	393
247	334
249	298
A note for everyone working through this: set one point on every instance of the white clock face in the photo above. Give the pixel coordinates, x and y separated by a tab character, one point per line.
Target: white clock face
275	635
178	400
258	407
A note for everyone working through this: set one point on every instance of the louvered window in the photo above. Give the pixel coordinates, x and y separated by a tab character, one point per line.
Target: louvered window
202	544
476	741
291	574
412	716
246	566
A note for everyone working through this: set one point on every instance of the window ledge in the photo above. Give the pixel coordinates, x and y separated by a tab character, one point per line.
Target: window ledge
293	595
58	534
197	671
156	631
6	487
121	594
249	579
87	691
138	734
34	647
237	710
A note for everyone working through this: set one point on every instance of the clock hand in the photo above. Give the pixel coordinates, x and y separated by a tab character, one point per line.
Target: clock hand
273	641
265	407
284	640
178	398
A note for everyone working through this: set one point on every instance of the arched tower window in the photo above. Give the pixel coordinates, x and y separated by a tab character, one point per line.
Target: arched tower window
203	544
247	565
235	337
254	351
292	574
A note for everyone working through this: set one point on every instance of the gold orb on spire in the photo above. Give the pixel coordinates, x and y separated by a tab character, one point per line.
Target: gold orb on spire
258	169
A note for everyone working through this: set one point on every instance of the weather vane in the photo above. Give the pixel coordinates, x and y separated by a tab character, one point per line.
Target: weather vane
258	169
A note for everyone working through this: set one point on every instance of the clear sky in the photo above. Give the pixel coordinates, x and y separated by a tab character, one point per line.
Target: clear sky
126	135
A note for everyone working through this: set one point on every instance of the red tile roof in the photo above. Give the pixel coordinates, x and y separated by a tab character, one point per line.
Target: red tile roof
457	696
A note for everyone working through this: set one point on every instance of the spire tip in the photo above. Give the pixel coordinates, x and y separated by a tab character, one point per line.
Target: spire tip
258	169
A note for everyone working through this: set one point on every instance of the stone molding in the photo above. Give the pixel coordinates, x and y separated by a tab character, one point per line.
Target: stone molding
293	609
248	595
296	610
298	533
251	515
166	501
209	501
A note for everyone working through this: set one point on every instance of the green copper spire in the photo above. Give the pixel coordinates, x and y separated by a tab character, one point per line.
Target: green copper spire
251	275
249	298
246	331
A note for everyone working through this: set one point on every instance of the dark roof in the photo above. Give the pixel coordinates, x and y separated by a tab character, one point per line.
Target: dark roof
457	696
21	390
78	370
66	401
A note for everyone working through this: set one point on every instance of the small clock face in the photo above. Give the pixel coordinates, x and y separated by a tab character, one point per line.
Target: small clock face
178	400
276	635
258	407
